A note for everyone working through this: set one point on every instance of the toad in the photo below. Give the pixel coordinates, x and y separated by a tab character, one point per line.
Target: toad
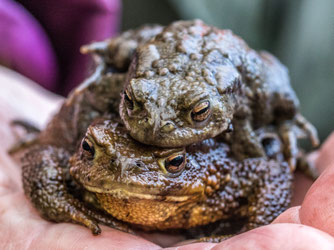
130	185
205	182
48	151
192	81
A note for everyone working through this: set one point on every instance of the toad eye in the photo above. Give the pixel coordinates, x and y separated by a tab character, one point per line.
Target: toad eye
201	111
175	163
128	99
88	148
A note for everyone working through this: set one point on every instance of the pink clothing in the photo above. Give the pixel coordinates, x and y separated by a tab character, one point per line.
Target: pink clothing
41	39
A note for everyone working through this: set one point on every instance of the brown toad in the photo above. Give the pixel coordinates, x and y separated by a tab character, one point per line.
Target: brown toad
192	82
153	188
50	187
48	153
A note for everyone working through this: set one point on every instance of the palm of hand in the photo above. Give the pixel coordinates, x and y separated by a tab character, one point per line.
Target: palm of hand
21	226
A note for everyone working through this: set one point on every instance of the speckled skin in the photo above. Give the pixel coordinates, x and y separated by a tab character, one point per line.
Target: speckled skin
45	169
131	182
45	176
190	62
212	187
45	164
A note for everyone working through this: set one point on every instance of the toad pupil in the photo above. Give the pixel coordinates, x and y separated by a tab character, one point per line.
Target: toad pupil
128	99
201	111
175	164
88	148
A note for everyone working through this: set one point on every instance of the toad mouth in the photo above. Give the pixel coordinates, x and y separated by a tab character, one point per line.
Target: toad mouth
126	194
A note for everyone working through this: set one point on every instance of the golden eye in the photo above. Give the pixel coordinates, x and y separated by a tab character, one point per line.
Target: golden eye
128	99
201	111
88	148
175	163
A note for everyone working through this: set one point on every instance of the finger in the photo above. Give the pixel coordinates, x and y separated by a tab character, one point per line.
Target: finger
301	186
317	209
326	153
289	216
275	236
322	158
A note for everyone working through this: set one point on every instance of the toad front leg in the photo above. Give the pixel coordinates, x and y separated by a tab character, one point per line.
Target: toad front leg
118	51
244	141
44	182
29	138
290	132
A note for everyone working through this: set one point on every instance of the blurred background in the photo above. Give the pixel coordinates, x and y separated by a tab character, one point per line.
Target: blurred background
41	39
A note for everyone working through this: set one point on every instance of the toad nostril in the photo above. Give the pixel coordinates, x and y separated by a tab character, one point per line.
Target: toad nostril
113	163
139	164
147	121
167	126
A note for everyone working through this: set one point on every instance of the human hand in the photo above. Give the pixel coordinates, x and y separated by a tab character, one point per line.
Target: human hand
22	227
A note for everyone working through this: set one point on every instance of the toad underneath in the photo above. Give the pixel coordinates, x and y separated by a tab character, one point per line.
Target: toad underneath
127	185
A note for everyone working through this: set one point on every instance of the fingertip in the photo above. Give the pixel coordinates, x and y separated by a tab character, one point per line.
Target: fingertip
279	236
317	209
291	215
326	154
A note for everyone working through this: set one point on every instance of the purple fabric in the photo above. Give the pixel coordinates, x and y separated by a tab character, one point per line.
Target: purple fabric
47	50
24	46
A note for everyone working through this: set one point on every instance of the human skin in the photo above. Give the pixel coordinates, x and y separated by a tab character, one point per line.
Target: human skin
308	226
